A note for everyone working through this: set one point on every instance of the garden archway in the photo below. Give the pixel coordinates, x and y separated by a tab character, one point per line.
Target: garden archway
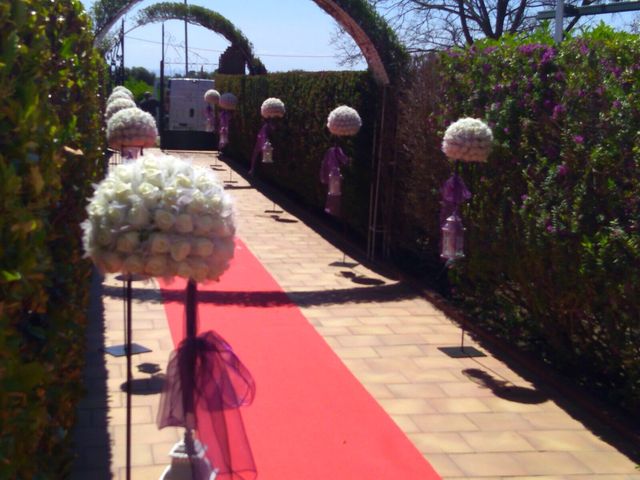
379	45
197	15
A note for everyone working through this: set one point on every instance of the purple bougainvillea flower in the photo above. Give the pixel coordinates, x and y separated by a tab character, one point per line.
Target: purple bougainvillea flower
578	139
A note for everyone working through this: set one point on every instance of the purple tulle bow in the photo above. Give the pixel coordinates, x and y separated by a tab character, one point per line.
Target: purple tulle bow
206	383
211	118
263	136
454	192
225	118
333	160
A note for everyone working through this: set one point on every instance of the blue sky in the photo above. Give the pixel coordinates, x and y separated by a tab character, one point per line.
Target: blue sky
286	35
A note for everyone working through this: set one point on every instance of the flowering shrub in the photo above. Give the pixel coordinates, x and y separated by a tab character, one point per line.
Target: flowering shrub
344	121
272	108
212	97
163	217
467	140
228	101
553	228
117	105
131	127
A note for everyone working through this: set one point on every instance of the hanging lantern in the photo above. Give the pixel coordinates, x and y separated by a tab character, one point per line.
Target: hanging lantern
335	183
267	152
452	238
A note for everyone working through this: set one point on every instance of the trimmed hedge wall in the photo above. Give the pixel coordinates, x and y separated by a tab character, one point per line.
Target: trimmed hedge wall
553	227
50	132
302	138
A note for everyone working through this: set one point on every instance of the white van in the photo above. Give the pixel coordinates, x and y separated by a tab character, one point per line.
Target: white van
187	108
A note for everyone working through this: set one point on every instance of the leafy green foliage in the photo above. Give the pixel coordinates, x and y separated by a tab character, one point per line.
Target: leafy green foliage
51	137
301	138
553	232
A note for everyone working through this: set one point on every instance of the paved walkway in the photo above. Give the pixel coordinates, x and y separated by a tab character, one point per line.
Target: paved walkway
472	418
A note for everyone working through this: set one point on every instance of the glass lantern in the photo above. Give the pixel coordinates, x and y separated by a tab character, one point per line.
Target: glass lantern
452	238
335	183
267	152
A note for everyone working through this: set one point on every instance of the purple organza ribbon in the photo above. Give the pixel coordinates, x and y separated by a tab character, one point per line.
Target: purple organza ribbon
206	378
333	160
261	139
225	118
454	192
211	117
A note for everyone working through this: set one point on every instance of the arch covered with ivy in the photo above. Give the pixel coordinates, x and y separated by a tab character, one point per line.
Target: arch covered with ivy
379	45
197	15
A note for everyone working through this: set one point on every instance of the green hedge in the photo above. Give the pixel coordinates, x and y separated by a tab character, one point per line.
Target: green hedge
302	138
553	239
50	132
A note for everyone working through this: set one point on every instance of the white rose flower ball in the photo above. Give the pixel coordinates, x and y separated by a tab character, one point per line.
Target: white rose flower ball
117	105
212	97
131	127
122	88
272	108
467	140
228	101
344	121
119	94
160	216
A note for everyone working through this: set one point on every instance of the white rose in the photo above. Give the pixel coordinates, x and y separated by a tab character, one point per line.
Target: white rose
156	265
205	182
122	191
213	203
150	194
202	247
116	214
180	249
164	220
138	215
184	223
133	264
154	177
183	181
204	224
128	242
123	173
197	203
199	270
160	243
170	194
183	269
110	262
97	209
224	228
104	236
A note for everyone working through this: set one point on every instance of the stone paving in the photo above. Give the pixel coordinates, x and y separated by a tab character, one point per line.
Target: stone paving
471	417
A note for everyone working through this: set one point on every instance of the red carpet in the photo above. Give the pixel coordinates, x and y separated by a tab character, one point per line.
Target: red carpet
311	419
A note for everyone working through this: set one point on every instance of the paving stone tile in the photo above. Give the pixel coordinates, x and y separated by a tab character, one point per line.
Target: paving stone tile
488	464
444	422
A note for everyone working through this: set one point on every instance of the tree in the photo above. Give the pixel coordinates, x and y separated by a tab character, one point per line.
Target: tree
140	73
433	24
